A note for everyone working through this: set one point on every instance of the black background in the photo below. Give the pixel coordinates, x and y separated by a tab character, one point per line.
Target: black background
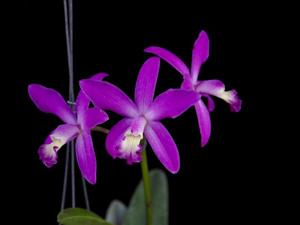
226	180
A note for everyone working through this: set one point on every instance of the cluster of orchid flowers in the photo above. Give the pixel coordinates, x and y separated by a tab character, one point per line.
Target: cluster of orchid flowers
141	117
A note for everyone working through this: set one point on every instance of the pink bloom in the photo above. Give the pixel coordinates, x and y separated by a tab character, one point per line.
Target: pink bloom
205	89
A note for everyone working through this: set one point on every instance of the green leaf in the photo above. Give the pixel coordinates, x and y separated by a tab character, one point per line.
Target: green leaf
78	216
116	212
136	213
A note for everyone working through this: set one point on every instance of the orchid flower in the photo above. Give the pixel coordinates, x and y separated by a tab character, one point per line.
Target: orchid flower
141	117
76	125
204	88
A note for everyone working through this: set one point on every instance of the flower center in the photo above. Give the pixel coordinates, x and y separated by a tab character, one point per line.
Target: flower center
130	147
56	144
131	142
229	96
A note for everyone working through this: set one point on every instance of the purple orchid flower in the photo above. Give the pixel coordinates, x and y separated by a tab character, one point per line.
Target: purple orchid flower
142	116
204	88
77	126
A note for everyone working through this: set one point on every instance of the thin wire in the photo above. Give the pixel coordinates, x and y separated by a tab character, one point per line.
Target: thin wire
86	197
65	182
71	96
71	80
73	175
67	30
63	198
68	11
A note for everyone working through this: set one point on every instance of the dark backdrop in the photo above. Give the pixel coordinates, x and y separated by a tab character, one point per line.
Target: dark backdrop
218	182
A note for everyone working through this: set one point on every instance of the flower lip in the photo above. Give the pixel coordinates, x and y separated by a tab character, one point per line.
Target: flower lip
48	151
233	99
60	136
130	147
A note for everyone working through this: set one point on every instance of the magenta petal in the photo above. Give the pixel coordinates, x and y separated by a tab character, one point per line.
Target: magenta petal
171	104
163	145
86	157
210	103
93	117
203	122
200	54
211	87
187	84
115	136
146	83
60	136
234	101
217	88
98	76
171	59
109	97
82	101
50	101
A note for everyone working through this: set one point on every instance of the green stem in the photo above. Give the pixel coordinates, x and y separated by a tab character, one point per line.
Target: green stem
147	184
101	129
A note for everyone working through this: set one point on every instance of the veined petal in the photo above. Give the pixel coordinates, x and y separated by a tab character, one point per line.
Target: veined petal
82	101
171	104
50	101
60	136
146	83
86	157
200	54
109	97
163	145
172	59
93	117
217	88
203	122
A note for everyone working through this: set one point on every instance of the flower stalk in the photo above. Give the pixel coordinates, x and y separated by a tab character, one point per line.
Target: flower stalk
101	129
147	184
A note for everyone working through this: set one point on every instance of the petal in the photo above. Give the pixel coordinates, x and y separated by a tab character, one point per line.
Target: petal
203	122
171	104
93	117
172	59
108	97
211	87
200	54
60	136
210	103
98	76
82	101
115	135
86	157
163	146
187	84
217	88
146	83
233	99
50	101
